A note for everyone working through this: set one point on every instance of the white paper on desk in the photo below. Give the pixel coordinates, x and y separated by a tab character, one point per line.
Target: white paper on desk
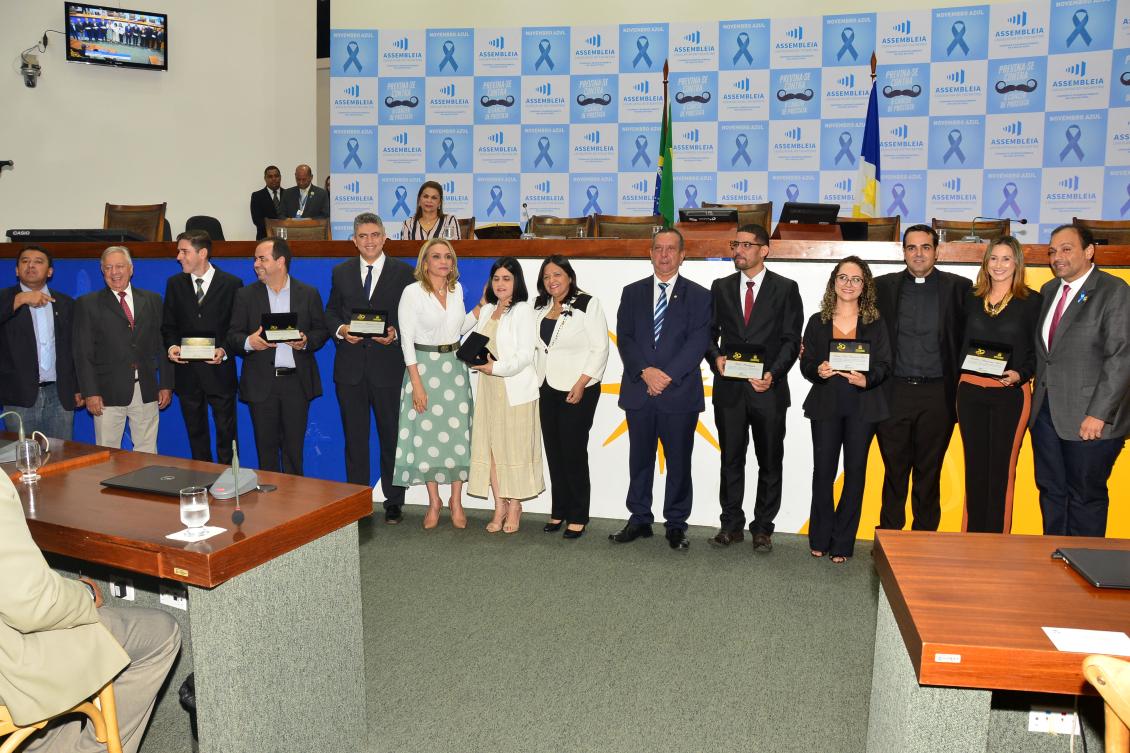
209	532
1079	641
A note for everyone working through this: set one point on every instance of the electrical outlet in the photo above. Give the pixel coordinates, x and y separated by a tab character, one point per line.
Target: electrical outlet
122	588
1053	721
174	596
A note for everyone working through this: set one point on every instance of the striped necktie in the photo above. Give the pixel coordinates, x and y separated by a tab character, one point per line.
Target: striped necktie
199	290
660	309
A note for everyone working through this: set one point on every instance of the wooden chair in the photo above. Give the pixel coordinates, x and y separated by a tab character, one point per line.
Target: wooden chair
619	226
880	228
299	230
466	228
748	214
146	220
1111	677
547	226
103	715
1114	232
987	230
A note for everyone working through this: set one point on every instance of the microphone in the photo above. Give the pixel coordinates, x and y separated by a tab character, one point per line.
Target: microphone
974	238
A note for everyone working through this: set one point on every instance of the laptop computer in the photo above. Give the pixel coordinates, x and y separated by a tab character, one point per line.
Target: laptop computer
161	479
1102	568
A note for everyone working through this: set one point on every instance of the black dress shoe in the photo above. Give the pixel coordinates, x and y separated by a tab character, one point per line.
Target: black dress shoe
725	538
393	515
762	543
552	527
571	534
678	540
630	533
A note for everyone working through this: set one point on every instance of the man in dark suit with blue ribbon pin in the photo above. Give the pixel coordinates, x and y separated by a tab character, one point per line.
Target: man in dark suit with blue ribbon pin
663	331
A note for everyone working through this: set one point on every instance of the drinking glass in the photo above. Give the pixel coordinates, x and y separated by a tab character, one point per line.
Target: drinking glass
194	512
581	231
941	236
29	459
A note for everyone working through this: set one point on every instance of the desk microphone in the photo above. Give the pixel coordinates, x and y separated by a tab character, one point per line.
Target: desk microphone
974	238
233	482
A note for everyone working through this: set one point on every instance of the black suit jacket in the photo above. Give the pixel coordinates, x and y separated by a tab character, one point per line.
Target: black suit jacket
19	356
381	365
263	209
251	303
107	350
774	324
951	324
821	400
317	205
183	316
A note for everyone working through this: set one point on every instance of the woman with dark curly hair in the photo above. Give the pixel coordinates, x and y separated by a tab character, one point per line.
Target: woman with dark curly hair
843	405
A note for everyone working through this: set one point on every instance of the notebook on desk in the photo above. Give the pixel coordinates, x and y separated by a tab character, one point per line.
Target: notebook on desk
1102	568
161	479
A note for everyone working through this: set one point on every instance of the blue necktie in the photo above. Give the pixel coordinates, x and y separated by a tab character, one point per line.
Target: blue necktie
660	309
369	283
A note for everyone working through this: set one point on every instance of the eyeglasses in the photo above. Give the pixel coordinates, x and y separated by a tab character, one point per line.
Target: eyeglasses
746	245
844	280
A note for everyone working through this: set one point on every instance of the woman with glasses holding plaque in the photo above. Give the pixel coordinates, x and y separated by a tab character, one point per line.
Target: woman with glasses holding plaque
433	444
846	355
994	397
506	434
570	358
429	221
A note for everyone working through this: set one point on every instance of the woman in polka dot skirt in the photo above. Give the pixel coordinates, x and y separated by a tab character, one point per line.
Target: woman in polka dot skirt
433	444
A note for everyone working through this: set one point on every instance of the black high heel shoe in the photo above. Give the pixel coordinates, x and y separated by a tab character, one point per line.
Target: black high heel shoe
552	527
570	534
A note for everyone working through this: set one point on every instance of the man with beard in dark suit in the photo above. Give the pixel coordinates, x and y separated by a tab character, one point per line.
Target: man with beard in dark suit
267	203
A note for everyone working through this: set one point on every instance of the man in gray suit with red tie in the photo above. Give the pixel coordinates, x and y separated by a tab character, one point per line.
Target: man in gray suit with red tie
1081	403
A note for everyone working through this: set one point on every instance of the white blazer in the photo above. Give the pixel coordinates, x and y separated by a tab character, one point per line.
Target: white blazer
579	344
514	341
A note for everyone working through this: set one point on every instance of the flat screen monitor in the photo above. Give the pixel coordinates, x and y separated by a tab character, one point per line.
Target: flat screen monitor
712	214
114	36
809	214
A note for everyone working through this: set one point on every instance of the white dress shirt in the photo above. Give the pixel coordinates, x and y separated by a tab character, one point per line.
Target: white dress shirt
655	289
423	321
43	322
758	280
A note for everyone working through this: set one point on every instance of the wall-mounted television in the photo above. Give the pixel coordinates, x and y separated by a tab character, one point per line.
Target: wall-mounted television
114	36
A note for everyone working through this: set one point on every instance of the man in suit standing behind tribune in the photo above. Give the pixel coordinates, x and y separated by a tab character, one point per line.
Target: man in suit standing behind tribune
305	201
278	380
368	371
1081	403
267	202
663	330
198	302
37	368
123	371
759	308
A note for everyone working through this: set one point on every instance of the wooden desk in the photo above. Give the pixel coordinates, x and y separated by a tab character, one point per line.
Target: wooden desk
273	604
964	613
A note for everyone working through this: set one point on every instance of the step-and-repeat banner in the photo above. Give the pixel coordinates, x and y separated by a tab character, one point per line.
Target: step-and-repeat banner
1018	110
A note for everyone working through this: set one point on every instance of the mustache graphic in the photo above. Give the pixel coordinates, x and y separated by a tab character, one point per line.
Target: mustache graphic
507	101
684	98
584	101
890	92
1003	88
804	96
390	102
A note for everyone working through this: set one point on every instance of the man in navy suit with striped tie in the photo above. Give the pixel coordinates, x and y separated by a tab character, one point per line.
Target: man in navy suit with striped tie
663	331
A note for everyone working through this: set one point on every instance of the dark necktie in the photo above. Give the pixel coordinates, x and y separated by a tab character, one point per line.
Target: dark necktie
1058	313
277	203
199	290
369	282
748	300
125	308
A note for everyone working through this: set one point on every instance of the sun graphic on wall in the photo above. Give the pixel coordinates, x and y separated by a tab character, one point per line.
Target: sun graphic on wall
700	428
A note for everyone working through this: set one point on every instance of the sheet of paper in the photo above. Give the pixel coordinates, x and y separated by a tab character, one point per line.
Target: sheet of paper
1089	641
209	532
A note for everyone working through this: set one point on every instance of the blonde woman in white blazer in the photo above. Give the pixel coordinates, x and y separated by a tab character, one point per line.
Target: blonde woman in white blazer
506	430
570	358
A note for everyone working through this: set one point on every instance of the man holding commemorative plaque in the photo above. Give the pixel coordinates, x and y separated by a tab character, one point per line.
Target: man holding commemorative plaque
198	306
755	340
369	365
276	325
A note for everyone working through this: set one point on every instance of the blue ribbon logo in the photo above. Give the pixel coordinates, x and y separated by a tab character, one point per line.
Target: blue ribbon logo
543	152
641	151
352	50
691	193
352	145
496	201
1079	20
958	31
401	194
1072	134
845	149
792	193
1010	191
1125	207
449	153
741	144
743	49
449	56
898	206
847	36
955	139
544	47
641	52
592	206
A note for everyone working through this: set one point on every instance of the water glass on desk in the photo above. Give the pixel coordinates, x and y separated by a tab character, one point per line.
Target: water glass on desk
29	459
194	512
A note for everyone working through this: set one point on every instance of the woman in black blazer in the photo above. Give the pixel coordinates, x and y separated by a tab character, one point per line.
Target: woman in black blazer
844	406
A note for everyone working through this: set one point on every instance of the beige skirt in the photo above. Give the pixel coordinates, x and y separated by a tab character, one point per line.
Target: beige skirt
511	436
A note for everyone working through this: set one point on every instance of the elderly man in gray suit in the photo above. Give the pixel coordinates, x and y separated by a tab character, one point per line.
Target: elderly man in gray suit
1081	404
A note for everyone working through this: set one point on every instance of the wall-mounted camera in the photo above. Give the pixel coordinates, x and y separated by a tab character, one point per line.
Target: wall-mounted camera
29	69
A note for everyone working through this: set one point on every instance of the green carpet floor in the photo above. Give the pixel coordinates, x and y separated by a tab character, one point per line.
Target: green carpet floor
527	642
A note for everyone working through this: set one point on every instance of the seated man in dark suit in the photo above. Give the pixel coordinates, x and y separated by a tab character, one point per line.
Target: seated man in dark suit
198	302
267	203
305	201
663	331
279	379
37	368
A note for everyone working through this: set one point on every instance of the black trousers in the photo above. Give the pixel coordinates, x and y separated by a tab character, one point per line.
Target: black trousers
194	407
565	431
279	422
992	422
763	417
1072	478
914	438
356	402
832	528
646	428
